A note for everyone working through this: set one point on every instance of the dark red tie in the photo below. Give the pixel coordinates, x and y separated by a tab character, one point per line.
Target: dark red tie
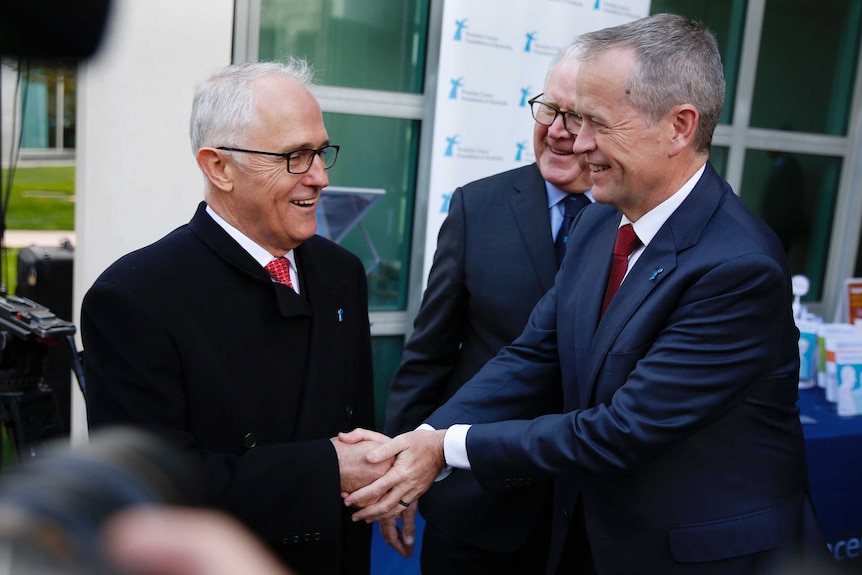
279	270
627	242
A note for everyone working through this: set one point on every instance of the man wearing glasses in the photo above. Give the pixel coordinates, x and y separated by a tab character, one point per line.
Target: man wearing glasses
495	258
243	337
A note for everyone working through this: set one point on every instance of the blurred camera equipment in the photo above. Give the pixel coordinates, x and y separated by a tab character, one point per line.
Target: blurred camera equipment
53	506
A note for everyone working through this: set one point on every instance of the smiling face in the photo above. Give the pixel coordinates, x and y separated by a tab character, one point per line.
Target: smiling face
271	206
629	155
553	144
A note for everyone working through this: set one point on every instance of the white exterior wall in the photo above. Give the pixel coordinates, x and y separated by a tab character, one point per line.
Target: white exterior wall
136	176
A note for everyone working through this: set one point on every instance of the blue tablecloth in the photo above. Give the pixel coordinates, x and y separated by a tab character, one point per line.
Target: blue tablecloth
385	561
834	450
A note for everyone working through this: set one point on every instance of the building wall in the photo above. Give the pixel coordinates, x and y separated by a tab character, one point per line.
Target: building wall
136	175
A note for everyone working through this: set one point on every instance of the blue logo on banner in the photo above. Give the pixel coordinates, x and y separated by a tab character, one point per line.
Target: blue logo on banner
520	152
530	37
524	93
459	26
450	145
456	83
444	209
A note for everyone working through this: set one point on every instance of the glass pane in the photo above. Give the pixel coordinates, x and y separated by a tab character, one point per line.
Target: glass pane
379	153
386	354
37	112
726	19
806	65
795	194
70	95
41	88
371	44
718	158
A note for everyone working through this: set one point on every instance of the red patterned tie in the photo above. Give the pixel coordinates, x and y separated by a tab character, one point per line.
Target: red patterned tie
279	269
627	242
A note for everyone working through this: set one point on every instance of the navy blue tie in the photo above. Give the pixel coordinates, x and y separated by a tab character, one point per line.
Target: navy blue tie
574	203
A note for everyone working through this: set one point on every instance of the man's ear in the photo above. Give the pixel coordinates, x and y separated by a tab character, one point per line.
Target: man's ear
684	119
216	168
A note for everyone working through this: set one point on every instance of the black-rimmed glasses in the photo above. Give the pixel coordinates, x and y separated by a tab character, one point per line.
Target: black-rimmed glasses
546	114
298	161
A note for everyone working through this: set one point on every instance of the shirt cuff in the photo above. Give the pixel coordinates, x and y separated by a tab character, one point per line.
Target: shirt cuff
454	448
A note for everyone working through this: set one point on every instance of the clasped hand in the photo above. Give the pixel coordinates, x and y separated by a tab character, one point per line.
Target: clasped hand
390	478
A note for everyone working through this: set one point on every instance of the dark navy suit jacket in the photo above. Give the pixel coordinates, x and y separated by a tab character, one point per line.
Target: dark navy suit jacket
494	260
681	431
191	339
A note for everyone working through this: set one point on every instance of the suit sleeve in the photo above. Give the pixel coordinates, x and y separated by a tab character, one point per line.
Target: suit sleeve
521	380
429	356
135	376
716	352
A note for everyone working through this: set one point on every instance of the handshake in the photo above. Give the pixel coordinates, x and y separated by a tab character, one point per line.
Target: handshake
384	477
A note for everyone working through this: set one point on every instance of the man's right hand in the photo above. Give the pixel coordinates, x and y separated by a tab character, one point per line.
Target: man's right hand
354	468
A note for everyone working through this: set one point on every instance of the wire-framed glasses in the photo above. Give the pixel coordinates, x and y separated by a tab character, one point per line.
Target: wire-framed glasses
297	161
546	115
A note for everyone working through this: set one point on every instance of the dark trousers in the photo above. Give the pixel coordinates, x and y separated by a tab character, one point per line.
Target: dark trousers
445	555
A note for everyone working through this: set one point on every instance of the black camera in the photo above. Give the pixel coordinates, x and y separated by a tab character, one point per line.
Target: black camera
52	507
26	330
29	320
29	409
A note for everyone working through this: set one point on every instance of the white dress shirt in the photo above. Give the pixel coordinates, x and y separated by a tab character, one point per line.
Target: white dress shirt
260	255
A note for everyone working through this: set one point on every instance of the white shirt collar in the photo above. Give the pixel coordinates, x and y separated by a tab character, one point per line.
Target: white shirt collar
649	224
260	255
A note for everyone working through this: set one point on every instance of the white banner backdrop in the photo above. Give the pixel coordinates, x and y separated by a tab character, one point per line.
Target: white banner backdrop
493	58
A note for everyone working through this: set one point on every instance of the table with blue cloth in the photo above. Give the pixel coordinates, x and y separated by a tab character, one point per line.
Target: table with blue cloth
833	446
384	559
834	450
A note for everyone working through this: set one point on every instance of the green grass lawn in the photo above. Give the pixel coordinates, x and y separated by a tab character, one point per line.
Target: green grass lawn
41	199
9	270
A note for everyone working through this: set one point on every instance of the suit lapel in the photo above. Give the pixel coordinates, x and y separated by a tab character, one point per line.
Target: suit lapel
290	304
528	200
318	396
680	232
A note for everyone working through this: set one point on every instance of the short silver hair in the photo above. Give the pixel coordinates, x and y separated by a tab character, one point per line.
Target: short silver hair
223	105
562	56
677	62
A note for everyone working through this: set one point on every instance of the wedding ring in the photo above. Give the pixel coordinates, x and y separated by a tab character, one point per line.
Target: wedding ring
403	503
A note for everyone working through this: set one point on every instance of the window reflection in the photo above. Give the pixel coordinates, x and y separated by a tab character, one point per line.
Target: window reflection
379	153
795	194
371	44
806	66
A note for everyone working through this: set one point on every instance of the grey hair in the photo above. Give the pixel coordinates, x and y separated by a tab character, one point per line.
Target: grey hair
677	62
223	105
570	52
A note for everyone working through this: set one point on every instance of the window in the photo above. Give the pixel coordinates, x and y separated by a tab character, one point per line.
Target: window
48	107
790	67
805	66
371	44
